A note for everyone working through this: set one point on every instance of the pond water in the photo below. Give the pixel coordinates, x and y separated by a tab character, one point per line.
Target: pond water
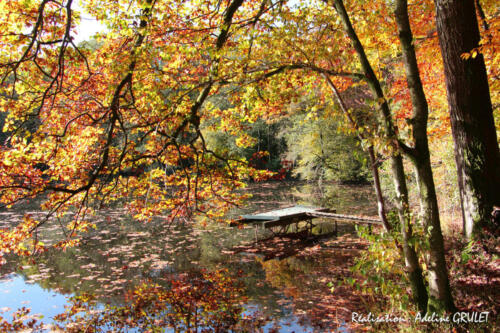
122	253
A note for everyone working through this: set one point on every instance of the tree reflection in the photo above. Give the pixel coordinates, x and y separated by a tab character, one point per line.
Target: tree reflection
313	282
195	302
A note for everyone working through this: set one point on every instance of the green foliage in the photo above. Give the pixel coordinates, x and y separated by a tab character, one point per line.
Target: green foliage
320	149
265	154
466	254
382	270
317	148
312	141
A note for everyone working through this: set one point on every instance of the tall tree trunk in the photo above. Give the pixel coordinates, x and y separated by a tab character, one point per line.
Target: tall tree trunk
417	282
476	148
411	259
439	287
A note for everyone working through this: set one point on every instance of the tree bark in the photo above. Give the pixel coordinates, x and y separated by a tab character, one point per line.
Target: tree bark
476	147
411	259
378	189
414	270
439	287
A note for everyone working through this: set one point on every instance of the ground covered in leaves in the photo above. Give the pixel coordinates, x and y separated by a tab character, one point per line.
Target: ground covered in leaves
475	275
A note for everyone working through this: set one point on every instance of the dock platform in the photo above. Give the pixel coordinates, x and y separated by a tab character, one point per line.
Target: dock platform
284	217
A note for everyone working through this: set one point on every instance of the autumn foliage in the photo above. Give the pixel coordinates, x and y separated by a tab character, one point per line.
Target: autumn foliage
140	94
125	119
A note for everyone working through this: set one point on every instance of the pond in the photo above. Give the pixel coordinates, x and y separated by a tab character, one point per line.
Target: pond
123	254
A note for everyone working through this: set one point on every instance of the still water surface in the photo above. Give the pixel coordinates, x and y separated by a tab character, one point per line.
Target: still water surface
122	253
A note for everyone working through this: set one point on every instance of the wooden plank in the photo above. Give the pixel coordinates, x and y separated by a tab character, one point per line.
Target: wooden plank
358	219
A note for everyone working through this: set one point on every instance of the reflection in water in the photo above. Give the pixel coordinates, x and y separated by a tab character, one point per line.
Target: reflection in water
123	255
202	302
313	279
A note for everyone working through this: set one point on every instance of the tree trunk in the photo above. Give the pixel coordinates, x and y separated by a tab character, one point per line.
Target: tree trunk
413	268
440	297
476	148
439	286
411	259
378	189
417	282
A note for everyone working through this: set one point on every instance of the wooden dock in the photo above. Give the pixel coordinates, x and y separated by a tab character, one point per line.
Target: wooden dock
356	219
283	218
